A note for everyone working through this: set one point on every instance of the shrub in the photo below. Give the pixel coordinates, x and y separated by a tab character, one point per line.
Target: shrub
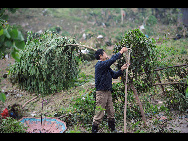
175	100
47	64
143	58
83	107
151	20
10	125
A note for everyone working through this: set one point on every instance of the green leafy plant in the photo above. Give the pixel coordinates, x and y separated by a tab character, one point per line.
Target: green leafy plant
10	37
75	130
84	107
176	100
143	59
47	64
151	20
2	97
10	125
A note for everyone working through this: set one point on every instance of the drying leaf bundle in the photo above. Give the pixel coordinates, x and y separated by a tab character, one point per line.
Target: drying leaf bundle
47	64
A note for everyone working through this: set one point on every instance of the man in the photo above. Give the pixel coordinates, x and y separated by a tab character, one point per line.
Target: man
103	84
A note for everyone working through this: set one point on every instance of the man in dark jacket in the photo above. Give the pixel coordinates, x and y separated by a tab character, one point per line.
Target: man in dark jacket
103	84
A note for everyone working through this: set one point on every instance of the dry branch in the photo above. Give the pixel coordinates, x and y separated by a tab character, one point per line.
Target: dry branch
139	103
158	69
81	46
169	83
29	101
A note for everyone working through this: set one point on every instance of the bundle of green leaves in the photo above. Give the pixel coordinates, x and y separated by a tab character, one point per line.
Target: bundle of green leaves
143	58
11	39
47	64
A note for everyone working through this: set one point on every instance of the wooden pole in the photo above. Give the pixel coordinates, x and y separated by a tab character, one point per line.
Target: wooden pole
125	108
158	77
122	13
139	103
126	79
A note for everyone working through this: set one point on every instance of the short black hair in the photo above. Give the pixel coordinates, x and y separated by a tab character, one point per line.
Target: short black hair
99	52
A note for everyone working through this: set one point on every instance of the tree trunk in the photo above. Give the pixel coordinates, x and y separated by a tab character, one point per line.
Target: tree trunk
139	103
158	78
121	15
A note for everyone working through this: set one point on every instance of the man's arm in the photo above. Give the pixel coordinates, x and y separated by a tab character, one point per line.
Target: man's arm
109	62
115	74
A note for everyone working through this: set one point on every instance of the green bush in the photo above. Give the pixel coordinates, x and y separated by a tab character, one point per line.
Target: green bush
151	20
176	100
46	65
11	40
10	125
83	107
143	59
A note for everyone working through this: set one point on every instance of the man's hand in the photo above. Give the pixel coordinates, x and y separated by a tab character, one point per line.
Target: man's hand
124	67
124	49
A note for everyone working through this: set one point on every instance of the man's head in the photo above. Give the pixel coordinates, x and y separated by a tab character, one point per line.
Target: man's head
101	55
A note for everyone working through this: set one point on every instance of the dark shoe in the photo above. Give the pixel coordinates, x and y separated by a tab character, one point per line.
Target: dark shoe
111	124
94	128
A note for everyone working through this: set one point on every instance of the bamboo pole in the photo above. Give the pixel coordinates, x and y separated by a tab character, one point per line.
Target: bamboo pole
126	79
125	108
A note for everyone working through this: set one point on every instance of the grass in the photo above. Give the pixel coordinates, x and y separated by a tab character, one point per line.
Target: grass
66	13
174	52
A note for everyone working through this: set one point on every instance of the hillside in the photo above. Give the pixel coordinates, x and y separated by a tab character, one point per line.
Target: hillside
109	22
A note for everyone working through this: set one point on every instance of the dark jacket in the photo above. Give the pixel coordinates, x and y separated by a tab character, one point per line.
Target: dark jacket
104	74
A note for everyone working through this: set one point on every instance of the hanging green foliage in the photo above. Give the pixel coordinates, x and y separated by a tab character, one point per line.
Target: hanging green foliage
143	58
47	64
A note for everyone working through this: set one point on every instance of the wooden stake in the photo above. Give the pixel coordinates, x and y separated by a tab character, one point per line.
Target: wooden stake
139	103
126	79
125	108
158	78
